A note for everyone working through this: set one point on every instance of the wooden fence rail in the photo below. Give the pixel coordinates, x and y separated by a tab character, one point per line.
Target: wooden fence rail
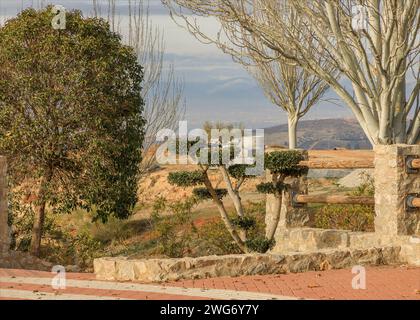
338	164
413	164
301	199
413	202
416	163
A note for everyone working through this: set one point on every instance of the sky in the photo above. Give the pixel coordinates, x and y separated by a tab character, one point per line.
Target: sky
216	87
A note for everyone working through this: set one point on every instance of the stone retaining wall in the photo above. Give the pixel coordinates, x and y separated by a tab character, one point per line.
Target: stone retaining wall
312	239
157	270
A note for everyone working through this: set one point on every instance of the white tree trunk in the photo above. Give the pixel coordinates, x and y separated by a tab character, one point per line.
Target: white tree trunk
292	121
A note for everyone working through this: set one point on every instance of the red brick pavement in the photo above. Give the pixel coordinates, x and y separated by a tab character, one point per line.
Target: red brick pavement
381	283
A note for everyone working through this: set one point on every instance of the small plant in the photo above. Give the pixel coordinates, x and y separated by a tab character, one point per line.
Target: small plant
349	217
260	244
174	232
244	223
345	217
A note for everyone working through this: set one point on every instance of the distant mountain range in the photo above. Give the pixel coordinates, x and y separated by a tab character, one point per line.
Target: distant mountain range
321	135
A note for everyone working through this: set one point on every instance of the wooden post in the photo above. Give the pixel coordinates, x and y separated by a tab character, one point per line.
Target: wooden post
413	202
415	163
334	199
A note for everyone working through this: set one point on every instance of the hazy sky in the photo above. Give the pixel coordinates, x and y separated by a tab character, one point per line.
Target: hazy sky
216	88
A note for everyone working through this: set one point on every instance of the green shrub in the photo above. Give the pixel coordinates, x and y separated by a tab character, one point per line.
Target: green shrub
175	232
345	217
185	178
349	217
238	171
270	188
260	244
214	239
244	223
204	194
285	163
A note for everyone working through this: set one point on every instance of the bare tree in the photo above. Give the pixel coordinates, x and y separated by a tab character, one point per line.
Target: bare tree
162	90
374	58
285	84
291	88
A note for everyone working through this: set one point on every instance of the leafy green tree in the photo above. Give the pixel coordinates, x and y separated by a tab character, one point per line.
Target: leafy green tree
70	114
281	164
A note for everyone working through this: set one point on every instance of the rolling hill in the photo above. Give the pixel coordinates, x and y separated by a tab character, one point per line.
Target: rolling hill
322	134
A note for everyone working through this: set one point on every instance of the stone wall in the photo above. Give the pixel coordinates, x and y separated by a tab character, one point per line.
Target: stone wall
394	224
392	185
157	270
311	239
4	228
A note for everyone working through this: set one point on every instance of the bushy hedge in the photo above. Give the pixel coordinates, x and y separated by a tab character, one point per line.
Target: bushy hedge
285	163
260	244
186	178
238	171
270	188
244	223
204	194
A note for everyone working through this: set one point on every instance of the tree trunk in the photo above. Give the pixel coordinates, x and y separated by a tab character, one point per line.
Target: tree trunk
277	211
39	217
224	215
278	196
236	199
292	121
38	226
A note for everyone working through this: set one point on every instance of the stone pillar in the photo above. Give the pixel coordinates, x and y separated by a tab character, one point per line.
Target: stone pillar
4	228
291	217
392	185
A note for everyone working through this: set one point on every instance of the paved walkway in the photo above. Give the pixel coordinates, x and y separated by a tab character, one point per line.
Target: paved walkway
381	283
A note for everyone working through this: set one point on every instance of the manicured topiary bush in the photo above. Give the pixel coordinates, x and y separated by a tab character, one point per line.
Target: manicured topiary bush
281	164
186	178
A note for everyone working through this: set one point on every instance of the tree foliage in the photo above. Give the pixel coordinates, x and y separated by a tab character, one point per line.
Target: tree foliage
285	163
378	61
71	113
186	178
204	194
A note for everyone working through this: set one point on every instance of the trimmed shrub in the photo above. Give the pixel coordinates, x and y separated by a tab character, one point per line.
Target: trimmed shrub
238	171
285	163
270	188
204	194
244	223
260	244
186	178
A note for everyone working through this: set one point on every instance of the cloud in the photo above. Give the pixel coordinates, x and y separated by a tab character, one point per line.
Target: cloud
216	88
